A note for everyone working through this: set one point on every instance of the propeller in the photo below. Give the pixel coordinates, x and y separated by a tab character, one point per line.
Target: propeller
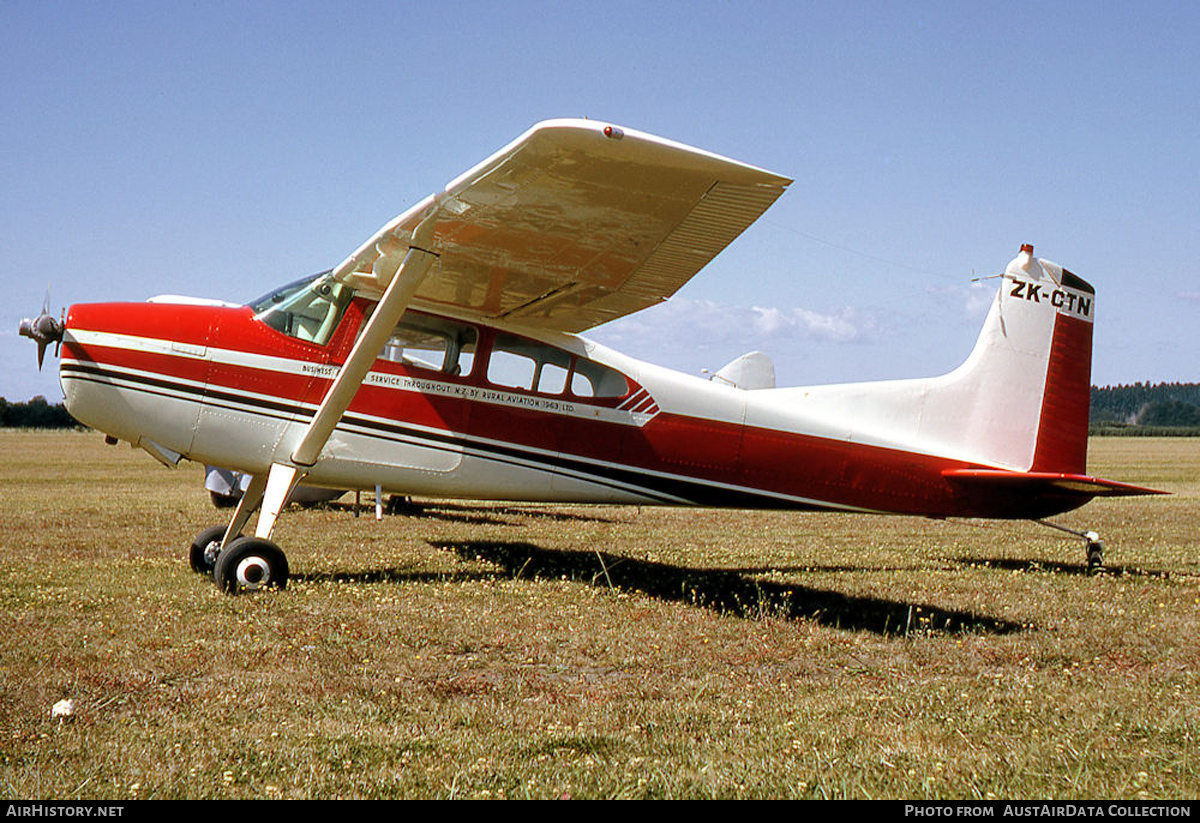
44	329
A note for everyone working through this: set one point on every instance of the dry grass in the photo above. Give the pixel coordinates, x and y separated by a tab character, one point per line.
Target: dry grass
479	651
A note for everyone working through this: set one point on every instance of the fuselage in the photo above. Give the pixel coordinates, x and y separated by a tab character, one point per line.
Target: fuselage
495	413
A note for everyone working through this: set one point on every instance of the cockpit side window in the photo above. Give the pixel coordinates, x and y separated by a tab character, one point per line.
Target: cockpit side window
308	309
433	343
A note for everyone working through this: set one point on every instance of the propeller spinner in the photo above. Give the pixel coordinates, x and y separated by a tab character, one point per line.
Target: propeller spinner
44	329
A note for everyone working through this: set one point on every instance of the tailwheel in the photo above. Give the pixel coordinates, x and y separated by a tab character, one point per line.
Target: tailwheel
249	564
1092	545
205	548
1095	553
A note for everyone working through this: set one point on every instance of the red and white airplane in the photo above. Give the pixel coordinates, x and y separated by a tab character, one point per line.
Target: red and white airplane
442	359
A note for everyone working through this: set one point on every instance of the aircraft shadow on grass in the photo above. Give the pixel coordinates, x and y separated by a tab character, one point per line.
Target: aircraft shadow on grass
730	592
473	515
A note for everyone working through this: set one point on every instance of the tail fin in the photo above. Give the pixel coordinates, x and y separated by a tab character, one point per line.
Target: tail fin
1030	373
1023	394
1019	402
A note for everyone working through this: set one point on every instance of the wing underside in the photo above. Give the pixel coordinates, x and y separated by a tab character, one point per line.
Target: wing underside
570	226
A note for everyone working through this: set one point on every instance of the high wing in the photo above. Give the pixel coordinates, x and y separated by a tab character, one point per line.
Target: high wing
573	224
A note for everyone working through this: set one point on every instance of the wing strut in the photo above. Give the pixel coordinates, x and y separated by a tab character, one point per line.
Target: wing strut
399	293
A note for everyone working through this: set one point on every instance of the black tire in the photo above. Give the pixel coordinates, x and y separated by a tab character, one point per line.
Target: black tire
199	554
250	564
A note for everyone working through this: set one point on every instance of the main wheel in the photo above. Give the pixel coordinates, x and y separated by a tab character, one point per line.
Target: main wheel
250	564
206	546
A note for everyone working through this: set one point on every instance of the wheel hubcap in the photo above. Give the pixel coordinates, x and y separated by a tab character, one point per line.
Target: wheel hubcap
253	573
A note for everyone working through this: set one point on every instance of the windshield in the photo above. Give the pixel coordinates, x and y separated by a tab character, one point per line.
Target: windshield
308	309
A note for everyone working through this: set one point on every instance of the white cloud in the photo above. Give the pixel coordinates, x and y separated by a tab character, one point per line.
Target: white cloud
847	326
706	326
974	298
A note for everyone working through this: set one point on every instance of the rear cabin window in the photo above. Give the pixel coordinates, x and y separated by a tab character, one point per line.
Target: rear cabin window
593	380
308	309
433	343
517	363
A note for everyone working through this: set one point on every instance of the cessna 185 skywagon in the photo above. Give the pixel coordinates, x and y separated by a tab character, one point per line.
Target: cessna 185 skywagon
442	359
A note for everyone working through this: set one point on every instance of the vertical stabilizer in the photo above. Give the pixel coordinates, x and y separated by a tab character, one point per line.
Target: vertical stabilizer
1021	399
1018	403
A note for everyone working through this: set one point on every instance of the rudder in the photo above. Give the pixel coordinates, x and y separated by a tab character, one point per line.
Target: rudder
1062	424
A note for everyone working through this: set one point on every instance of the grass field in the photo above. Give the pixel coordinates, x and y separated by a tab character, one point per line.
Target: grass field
546	651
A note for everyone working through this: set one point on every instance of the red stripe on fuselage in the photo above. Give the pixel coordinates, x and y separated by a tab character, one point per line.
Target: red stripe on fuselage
170	365
190	328
164	321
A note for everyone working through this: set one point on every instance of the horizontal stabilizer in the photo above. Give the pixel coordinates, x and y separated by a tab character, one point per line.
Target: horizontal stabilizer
1034	482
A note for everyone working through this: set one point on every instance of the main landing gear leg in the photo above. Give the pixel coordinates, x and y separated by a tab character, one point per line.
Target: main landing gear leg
252	563
1092	545
241	564
209	543
246	506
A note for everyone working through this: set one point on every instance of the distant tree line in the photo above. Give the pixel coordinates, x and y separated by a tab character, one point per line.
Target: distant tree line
1145	407
36	414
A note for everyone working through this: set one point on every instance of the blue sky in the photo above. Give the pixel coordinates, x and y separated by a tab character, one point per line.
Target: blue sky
218	149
